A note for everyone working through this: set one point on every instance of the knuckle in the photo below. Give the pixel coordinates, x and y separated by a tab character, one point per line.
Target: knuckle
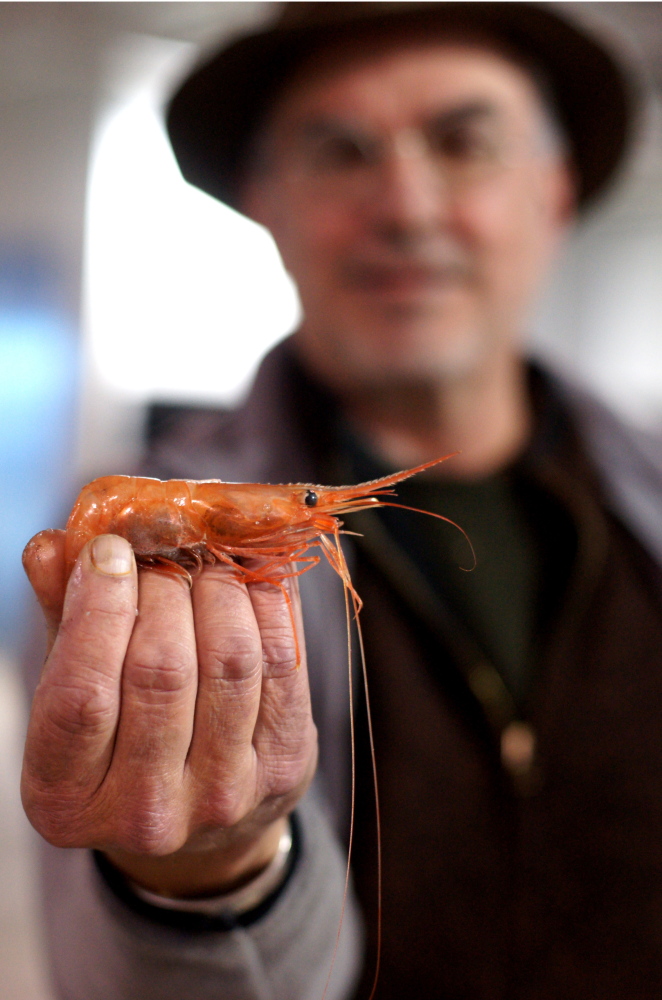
149	838
282	777
45	817
56	832
226	808
236	657
287	768
56	817
163	672
150	828
279	651
51	831
79	709
154	828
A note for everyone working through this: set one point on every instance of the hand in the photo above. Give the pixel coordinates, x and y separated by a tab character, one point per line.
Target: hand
171	728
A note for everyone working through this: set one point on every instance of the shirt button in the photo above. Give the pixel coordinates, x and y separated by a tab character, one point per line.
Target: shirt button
518	749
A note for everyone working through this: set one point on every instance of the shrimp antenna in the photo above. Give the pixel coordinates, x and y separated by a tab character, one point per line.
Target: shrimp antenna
378	818
350	842
336	558
440	517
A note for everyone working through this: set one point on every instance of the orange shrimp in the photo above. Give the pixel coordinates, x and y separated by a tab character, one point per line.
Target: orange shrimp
176	526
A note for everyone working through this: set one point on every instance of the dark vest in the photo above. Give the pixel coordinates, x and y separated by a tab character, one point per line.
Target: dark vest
534	882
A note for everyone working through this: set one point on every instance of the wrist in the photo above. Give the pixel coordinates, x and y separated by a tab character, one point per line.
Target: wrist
203	873
236	903
222	913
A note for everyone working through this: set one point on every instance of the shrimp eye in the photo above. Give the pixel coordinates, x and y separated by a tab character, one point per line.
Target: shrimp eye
310	498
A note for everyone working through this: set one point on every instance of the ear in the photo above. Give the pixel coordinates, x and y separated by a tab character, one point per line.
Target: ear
563	192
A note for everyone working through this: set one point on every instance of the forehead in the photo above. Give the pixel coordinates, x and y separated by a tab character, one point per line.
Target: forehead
388	84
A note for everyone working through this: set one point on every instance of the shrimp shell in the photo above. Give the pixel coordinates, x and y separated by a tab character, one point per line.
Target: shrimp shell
177	525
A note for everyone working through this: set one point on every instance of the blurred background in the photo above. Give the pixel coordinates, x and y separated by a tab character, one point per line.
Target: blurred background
121	286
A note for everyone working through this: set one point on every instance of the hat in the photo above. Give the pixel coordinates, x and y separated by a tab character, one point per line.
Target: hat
214	113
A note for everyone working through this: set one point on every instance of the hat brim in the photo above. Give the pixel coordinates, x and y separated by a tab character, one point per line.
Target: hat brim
213	115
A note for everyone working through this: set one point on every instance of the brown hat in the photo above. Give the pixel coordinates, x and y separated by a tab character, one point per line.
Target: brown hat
213	115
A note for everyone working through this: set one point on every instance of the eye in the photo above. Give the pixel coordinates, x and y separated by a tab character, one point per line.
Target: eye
330	148
339	153
465	143
310	498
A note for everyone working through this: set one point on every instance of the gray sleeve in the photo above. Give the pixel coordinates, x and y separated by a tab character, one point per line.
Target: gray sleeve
102	950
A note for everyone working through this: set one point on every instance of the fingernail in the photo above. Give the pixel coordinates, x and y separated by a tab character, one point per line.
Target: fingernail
112	555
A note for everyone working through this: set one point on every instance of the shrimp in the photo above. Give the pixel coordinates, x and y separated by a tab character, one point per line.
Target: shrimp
176	526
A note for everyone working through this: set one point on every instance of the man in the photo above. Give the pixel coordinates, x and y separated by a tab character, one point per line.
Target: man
418	166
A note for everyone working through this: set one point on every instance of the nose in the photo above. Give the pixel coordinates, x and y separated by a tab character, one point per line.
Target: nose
411	195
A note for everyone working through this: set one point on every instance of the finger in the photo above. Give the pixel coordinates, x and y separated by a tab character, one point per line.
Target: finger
284	737
43	561
159	686
76	705
222	757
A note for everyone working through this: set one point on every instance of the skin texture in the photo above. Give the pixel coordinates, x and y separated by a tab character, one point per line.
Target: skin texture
170	728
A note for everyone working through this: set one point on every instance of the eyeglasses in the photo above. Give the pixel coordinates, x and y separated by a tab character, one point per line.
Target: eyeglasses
462	148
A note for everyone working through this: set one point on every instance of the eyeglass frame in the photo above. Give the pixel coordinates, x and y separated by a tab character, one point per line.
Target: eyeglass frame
294	155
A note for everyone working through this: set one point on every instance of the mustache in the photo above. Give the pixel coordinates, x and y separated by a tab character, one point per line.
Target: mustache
429	262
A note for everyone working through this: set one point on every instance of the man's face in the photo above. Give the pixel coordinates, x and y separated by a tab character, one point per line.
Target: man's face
417	196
